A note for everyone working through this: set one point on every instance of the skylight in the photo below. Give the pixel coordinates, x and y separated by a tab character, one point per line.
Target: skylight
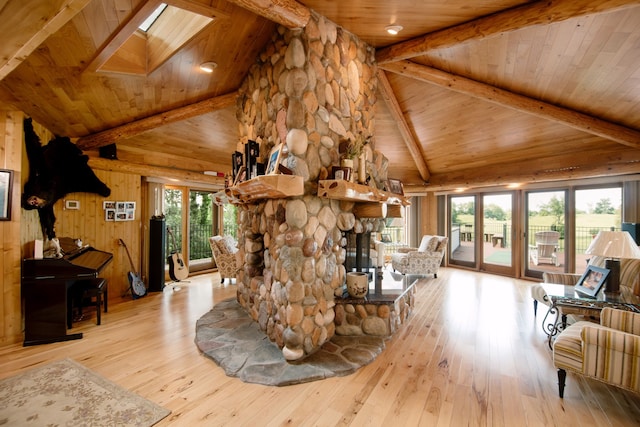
152	18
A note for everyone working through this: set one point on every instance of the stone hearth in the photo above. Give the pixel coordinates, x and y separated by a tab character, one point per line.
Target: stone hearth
235	342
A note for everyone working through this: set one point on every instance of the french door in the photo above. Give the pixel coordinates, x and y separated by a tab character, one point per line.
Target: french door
481	232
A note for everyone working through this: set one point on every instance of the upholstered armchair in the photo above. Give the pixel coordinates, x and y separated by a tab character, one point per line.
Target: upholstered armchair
225	254
608	352
377	253
425	259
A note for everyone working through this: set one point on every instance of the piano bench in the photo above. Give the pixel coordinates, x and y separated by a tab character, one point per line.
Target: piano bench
96	292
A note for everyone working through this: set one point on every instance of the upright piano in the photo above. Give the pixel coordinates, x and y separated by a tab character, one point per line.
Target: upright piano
46	285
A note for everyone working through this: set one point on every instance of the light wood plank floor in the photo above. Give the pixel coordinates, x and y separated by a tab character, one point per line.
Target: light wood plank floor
472	353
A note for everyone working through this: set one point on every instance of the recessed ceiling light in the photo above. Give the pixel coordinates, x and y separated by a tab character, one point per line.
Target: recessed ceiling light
393	29
208	67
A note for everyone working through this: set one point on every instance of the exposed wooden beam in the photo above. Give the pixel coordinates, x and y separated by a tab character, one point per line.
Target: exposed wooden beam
574	119
599	163
407	136
289	13
156	171
543	12
128	130
25	26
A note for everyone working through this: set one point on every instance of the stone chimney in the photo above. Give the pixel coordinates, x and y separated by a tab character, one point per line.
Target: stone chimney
310	89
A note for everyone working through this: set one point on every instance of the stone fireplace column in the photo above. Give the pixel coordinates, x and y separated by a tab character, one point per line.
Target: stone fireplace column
310	89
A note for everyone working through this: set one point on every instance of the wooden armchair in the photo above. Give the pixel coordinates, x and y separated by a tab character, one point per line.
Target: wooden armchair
608	352
225	252
546	247
425	259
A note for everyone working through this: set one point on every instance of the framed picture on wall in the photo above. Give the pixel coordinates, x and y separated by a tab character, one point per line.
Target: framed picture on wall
6	187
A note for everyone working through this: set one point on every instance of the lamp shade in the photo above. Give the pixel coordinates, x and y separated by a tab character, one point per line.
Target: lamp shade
614	244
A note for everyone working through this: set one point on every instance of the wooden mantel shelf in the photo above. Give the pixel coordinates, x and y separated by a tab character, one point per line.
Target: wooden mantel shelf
262	187
344	190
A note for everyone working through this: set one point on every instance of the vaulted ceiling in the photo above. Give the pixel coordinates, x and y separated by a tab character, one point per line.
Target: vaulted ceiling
471	93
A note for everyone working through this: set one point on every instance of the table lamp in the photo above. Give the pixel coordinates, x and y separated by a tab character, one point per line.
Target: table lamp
613	245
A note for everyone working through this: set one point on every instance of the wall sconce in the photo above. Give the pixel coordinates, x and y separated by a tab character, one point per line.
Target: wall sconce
393	29
208	66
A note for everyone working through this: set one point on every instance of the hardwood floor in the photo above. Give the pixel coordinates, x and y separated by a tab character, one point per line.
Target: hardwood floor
472	353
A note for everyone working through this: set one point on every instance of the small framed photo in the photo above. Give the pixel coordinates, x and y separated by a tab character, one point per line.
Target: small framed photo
72	204
121	216
274	160
592	280
6	187
395	186
240	177
121	206
236	159
130	205
109	214
108	204
339	172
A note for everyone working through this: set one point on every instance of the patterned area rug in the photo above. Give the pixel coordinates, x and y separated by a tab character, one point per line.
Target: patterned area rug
65	393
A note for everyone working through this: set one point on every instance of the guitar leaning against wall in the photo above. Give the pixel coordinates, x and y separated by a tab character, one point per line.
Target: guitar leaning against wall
178	270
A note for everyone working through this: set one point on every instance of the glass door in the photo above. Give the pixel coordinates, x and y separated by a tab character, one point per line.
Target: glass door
201	218
462	225
545	237
597	209
497	237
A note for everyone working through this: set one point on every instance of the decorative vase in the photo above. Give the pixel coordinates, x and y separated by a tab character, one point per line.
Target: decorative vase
348	163
357	284
362	168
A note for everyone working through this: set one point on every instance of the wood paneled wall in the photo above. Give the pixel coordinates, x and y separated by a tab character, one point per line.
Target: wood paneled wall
10	158
88	223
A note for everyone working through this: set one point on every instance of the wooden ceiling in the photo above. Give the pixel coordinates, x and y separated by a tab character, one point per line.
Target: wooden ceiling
487	94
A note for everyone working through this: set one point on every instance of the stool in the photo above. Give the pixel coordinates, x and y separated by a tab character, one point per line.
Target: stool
95	291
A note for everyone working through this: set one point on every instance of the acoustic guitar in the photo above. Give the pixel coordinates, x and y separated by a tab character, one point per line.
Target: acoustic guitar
177	268
136	285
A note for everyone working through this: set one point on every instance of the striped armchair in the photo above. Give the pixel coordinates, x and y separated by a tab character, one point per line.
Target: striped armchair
608	352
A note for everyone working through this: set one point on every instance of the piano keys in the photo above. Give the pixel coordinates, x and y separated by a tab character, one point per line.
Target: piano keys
46	286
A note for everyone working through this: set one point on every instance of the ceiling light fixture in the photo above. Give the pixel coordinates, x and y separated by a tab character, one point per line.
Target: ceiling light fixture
208	66
393	29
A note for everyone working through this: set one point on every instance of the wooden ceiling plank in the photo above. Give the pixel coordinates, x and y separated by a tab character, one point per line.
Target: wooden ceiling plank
289	13
538	13
394	108
574	119
24	28
137	127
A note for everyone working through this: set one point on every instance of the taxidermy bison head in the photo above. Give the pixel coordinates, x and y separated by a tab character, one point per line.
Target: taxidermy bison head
55	170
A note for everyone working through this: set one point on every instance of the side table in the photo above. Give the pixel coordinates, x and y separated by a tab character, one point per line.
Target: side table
566	300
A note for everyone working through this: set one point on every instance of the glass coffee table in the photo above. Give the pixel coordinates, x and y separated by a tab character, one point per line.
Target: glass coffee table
566	300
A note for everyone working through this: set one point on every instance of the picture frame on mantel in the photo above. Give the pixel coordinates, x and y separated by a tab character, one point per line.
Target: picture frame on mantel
6	188
395	186
274	160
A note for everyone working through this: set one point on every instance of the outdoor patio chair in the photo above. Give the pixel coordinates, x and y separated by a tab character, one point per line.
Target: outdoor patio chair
546	247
